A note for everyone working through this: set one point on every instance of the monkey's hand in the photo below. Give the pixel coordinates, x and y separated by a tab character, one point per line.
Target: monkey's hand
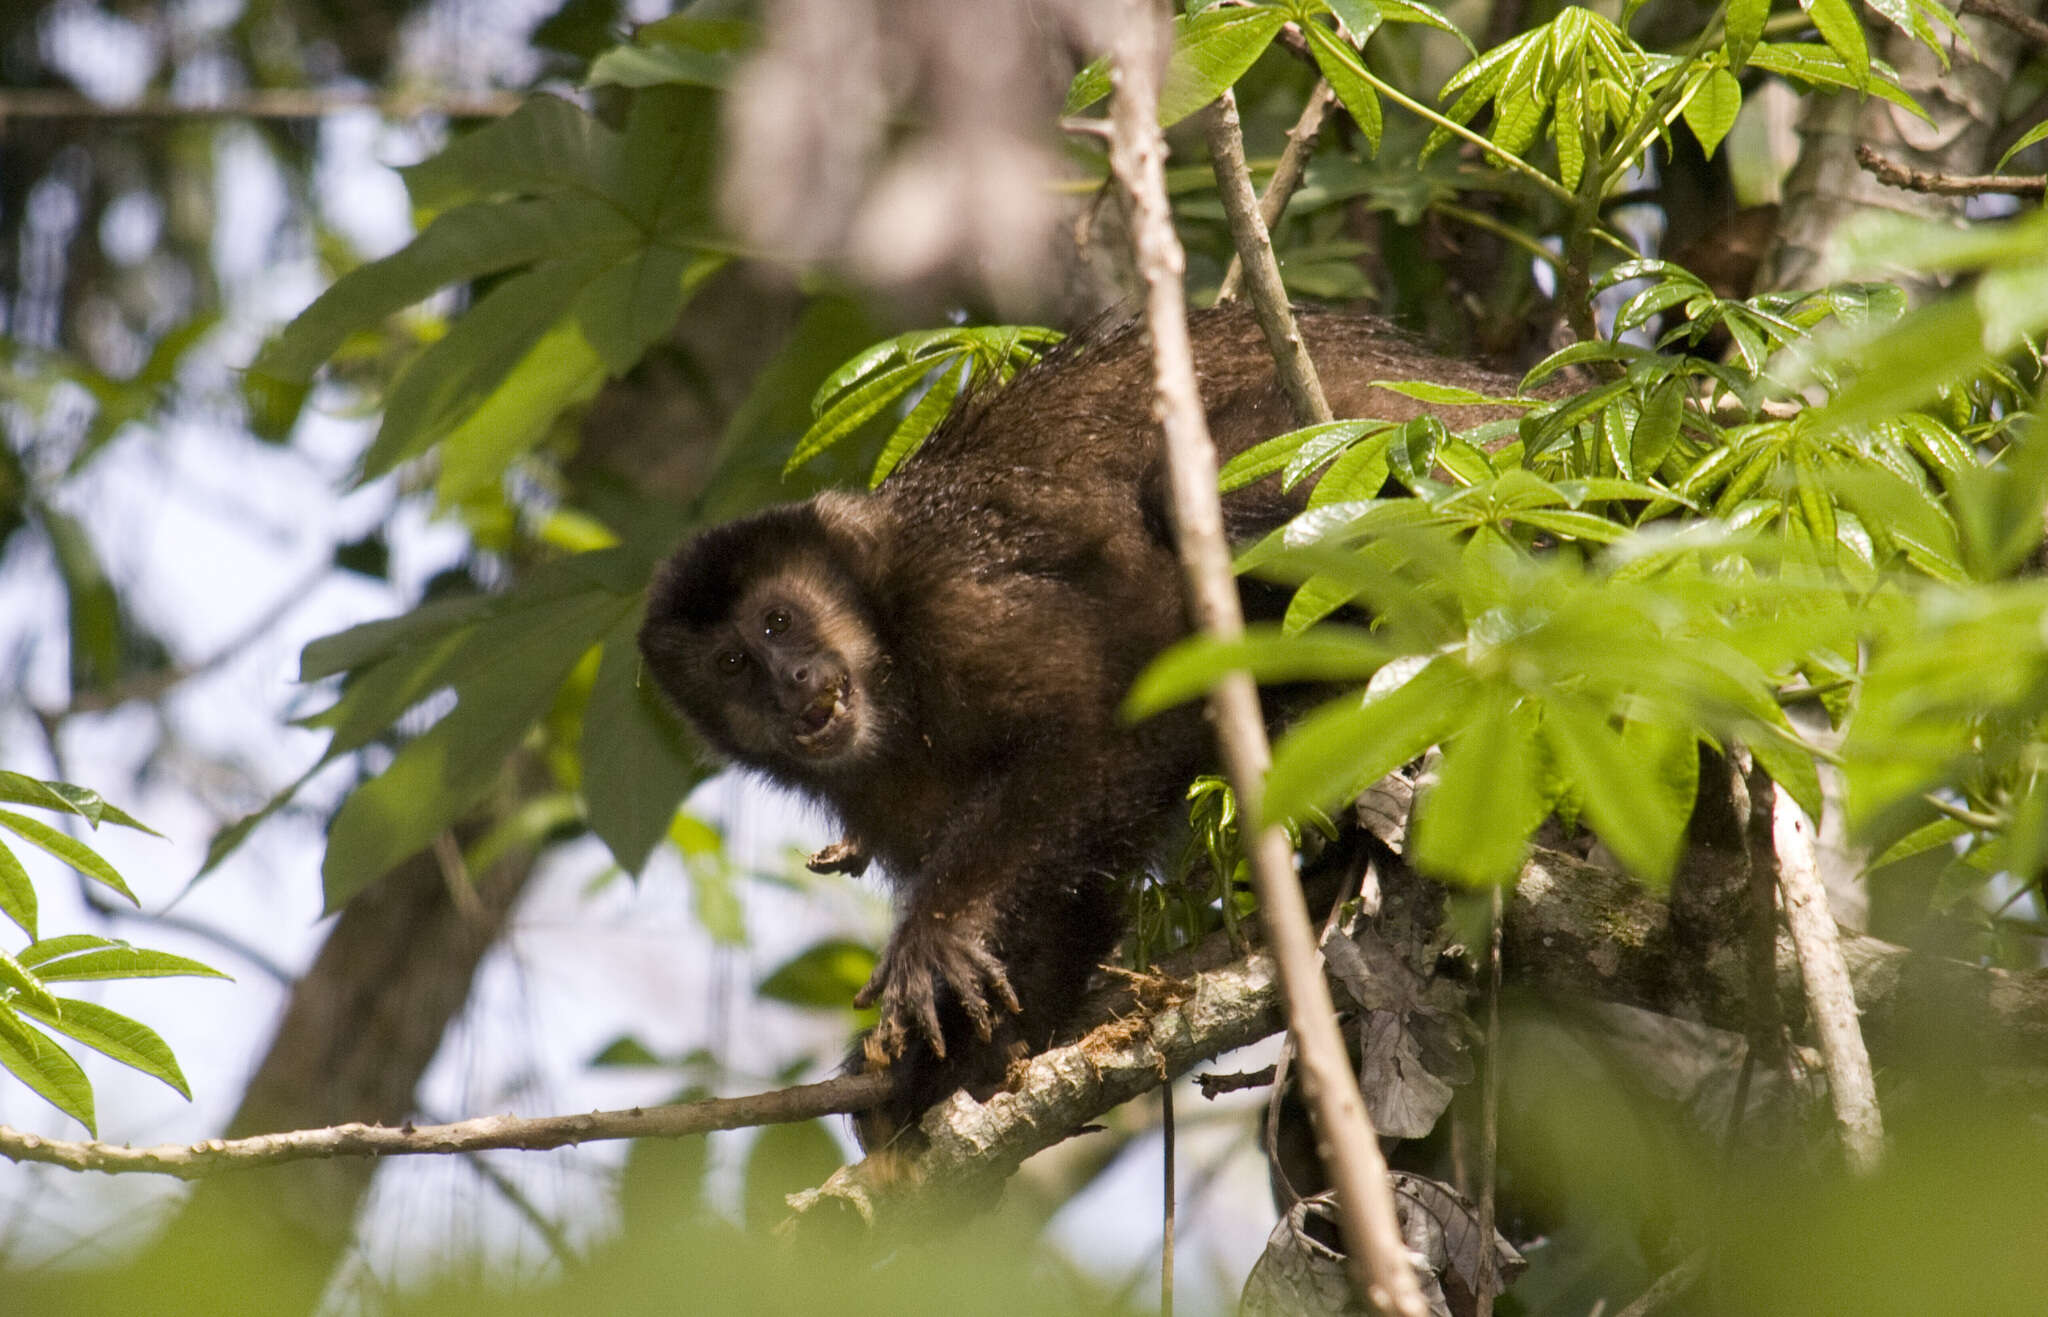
842	856
930	953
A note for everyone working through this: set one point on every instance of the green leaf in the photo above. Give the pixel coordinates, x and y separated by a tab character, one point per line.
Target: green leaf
660	64
1573	525
369	642
68	849
1188	669
2038	133
445	385
825	974
1414	11
1318	597
1473	826
22	986
1349	744
1941	832
855	410
1360	17
93	611
1818	64
636	766
446	770
1745	27
459	246
1711	111
110	1033
46	1068
78	956
1657	426
1816	503
1642	830
544	147
1839	27
17	893
1347	77
18	789
558	371
1210	52
919	422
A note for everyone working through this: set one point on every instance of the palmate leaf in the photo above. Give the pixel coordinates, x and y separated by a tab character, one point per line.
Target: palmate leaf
636	766
957	361
593	230
448	769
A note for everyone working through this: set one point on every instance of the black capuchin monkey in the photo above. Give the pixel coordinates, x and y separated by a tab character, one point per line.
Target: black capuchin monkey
941	663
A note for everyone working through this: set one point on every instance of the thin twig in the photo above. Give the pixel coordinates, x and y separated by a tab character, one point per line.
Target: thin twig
1376	1257
1829	996
844	1094
1214	1086
1669	1286
1287	176
1248	233
2033	29
268	103
1489	1121
1166	1232
1893	173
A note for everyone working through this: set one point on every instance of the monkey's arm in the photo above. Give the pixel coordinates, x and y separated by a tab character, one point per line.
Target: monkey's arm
1029	838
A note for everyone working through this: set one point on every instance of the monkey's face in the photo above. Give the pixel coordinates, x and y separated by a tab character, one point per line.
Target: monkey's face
787	676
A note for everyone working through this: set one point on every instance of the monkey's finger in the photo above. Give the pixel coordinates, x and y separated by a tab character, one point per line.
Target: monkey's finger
971	996
871	991
999	979
928	1017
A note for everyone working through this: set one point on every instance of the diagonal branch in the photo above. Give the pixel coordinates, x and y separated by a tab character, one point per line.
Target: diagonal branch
1377	1258
1254	243
1829	994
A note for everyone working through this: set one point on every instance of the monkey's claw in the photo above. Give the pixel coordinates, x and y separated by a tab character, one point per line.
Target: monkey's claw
929	956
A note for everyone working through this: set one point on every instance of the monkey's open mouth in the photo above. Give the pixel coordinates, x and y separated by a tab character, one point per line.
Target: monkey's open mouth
825	722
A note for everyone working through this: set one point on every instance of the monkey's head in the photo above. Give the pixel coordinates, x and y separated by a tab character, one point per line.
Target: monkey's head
760	632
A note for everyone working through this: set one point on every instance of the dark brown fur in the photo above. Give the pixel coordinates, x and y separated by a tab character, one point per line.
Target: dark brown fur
941	663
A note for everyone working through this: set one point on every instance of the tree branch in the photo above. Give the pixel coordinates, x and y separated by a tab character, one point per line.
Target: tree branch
1829	996
1570	927
1287	176
2033	29
1376	1257
1248	233
973	1145
1948	185
535	1133
269	103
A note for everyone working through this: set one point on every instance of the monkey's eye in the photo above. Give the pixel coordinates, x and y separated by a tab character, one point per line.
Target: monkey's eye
731	661
776	622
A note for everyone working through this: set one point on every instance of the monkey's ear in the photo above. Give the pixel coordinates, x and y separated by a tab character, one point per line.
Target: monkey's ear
855	522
